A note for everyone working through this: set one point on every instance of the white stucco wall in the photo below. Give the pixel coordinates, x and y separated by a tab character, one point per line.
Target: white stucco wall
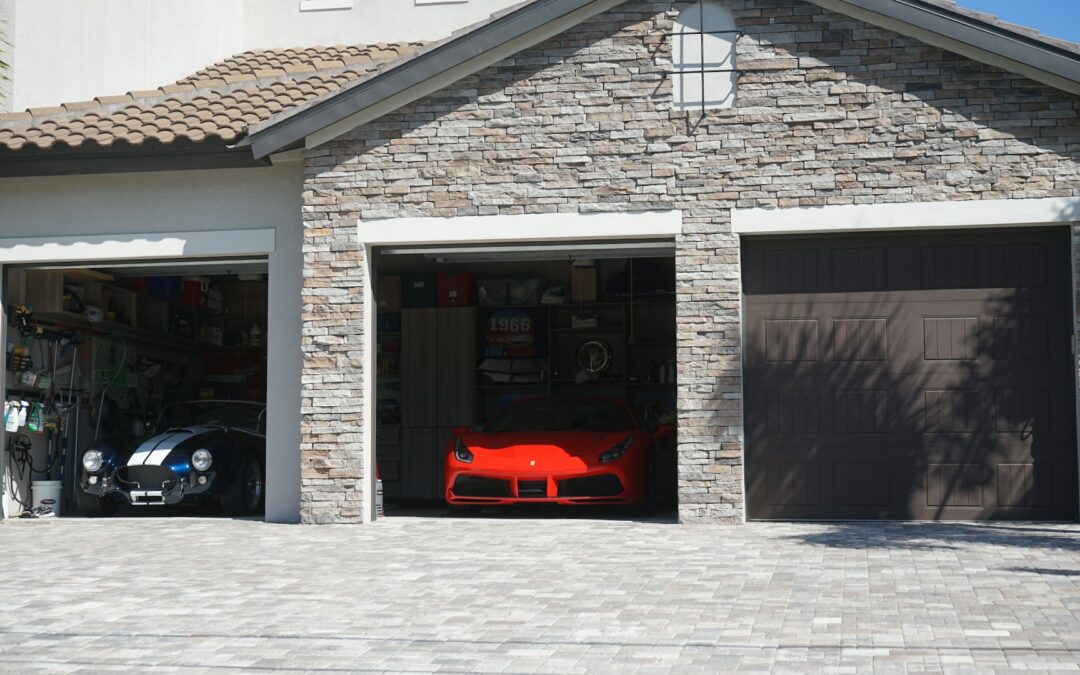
197	200
7	13
74	50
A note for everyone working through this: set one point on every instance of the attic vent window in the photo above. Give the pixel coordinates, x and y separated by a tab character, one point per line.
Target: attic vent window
703	57
315	5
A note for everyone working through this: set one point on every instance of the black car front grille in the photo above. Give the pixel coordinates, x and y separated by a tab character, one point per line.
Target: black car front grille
532	488
605	485
479	486
146	477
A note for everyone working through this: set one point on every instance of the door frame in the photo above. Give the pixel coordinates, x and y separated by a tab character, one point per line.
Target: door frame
916	216
148	247
461	230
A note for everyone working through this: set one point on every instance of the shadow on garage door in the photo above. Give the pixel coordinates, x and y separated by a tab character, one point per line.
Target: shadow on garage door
904	376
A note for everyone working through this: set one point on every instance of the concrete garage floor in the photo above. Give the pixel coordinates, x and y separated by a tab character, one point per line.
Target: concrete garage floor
525	595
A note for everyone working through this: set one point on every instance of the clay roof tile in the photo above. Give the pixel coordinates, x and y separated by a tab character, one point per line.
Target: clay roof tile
217	102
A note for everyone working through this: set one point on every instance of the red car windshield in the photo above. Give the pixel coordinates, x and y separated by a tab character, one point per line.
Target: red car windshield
562	414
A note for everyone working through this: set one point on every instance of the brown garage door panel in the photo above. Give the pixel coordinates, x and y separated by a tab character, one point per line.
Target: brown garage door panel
900	376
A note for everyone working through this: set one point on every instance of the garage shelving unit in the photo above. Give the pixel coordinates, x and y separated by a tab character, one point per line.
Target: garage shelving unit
145	317
639	332
409	446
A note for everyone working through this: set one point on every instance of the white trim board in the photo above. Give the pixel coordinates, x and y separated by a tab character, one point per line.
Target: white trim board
522	228
141	246
910	216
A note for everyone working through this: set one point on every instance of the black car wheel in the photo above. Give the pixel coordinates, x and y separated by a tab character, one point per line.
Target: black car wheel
244	496
93	506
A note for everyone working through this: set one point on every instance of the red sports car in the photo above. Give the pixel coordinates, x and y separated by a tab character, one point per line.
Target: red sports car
553	450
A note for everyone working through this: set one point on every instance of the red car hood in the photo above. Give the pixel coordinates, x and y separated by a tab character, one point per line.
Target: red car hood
542	452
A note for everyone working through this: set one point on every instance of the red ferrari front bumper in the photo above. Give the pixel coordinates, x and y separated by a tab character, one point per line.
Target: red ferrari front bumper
598	486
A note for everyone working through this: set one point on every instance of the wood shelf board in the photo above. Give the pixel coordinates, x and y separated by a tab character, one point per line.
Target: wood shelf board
79	321
597	329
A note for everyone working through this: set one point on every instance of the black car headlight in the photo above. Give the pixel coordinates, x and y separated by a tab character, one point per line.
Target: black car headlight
93	460
462	452
201	459
616	451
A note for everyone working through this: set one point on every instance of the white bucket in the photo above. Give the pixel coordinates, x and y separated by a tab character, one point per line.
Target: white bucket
46	493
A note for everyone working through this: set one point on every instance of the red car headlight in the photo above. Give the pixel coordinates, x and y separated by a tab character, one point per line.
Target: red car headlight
462	452
616	451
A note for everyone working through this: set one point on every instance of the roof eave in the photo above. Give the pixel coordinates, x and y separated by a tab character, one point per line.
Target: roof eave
128	160
969	37
424	74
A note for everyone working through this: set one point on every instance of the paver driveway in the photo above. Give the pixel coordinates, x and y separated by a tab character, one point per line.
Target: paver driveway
537	595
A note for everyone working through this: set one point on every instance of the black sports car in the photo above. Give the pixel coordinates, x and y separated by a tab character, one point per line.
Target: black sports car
201	450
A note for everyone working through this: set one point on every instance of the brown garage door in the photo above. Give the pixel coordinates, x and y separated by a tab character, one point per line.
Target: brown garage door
923	376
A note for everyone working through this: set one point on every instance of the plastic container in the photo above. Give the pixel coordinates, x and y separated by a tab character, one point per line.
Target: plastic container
493	292
46	493
454	290
166	288
526	291
195	291
419	290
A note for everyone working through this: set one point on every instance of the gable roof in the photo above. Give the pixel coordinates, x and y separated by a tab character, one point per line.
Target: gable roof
278	99
204	112
977	35
942	23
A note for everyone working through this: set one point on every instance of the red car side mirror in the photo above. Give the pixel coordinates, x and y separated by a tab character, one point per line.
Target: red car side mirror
663	431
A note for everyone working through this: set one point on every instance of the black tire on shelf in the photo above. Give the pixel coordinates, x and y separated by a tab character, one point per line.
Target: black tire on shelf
93	506
244	496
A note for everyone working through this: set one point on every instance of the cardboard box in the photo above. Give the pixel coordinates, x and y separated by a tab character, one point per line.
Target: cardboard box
583	284
388	293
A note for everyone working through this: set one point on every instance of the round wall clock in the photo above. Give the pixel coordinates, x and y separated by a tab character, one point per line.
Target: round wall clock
594	356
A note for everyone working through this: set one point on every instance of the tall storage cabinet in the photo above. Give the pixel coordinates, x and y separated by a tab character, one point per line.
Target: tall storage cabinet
438	375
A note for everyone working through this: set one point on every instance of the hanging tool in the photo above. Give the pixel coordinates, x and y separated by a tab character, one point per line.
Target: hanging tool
107	377
68	405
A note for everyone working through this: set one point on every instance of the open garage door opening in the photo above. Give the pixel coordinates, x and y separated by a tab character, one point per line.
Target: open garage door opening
136	388
527	378
918	376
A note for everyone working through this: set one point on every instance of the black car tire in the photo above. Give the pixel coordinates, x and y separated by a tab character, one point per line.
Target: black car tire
93	506
244	496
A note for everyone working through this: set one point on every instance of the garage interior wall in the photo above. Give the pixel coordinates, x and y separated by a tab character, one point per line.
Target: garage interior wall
213	200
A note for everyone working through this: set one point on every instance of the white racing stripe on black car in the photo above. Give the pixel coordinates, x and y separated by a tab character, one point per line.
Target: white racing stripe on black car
153	451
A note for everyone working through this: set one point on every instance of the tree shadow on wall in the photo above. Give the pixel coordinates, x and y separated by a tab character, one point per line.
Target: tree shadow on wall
867	405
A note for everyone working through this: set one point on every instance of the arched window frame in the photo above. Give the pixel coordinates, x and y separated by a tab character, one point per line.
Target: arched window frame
704	69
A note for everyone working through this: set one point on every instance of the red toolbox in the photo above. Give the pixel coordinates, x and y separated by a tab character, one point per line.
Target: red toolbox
454	290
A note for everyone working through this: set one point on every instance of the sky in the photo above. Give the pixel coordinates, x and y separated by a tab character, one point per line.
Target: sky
1059	18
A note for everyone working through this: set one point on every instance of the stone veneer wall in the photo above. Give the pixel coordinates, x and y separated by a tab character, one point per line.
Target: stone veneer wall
830	111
